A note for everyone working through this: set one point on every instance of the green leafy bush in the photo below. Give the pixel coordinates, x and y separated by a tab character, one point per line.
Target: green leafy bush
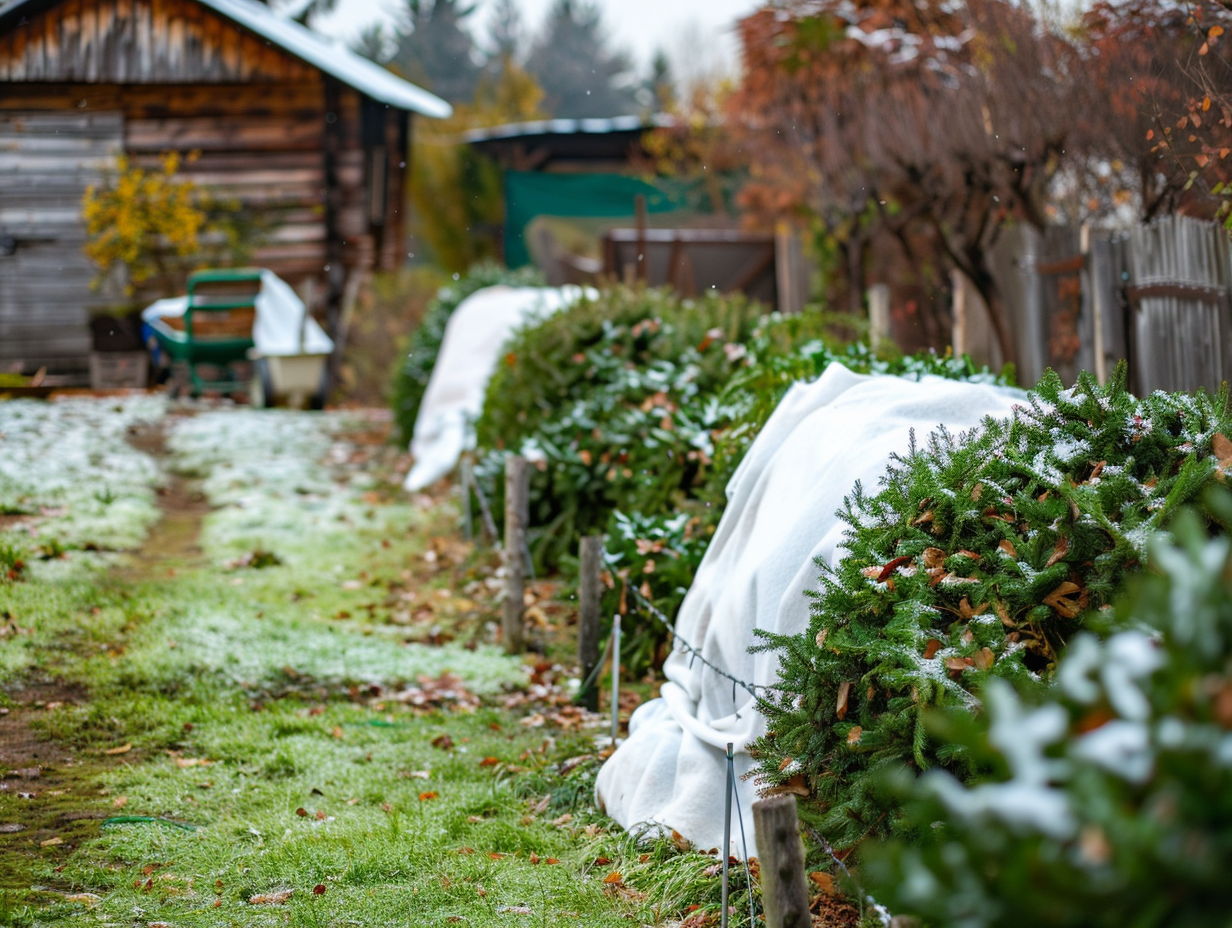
1108	797
412	375
616	398
979	559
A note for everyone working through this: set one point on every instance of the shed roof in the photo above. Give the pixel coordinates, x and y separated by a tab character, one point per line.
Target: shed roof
336	60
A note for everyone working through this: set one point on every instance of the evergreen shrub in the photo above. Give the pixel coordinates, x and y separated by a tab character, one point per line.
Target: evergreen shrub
980	557
638	406
424	344
1107	799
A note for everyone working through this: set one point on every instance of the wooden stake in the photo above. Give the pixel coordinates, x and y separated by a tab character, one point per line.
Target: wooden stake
516	515
589	590
784	891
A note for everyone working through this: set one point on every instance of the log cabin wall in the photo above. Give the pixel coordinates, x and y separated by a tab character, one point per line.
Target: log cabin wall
317	163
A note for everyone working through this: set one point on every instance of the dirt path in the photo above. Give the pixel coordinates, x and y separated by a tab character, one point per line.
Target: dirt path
58	787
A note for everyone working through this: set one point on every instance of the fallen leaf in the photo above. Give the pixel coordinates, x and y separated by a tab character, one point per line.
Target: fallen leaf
892	566
11	828
1007	547
185	763
983	659
1064	601
602	861
821	637
1058	552
613	877
822	881
274	898
52	842
853	736
84	898
443	743
514	909
430	795
844	690
119	802
122	749
319	889
489	762
931	649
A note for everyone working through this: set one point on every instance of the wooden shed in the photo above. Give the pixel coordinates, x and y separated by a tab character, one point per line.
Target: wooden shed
312	137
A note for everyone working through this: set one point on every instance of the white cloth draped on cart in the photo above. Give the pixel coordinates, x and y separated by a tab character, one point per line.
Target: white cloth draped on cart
476	331
781	516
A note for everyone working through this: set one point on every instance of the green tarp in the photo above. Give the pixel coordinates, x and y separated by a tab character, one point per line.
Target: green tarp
531	194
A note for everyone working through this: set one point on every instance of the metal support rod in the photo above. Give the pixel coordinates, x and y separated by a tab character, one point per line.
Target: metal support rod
726	850
615	676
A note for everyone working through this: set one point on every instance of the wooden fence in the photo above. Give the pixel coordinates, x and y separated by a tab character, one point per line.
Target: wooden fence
1158	296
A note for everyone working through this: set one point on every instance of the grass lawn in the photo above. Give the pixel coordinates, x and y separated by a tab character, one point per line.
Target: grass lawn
244	680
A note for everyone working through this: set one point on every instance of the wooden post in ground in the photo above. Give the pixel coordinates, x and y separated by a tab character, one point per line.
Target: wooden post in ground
516	515
784	890
589	590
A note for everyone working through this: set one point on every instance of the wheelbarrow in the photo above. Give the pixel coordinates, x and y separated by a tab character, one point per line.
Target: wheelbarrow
215	328
244	315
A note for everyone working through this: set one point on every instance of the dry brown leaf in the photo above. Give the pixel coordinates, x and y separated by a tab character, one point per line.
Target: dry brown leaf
796	786
931	649
1221	447
957	663
932	557
119	802
853	736
1007	547
52	842
1004	614
613	878
274	898
823	881
122	749
844	690
1064	601
983	659
821	637
1058	552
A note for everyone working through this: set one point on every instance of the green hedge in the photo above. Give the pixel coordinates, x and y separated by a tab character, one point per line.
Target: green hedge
980	559
639	406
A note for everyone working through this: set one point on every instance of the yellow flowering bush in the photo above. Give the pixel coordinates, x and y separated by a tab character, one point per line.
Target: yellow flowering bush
147	221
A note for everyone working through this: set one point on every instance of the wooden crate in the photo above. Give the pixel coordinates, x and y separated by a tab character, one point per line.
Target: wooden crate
116	370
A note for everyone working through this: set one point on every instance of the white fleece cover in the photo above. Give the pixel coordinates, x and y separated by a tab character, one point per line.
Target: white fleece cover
781	516
282	326
474	336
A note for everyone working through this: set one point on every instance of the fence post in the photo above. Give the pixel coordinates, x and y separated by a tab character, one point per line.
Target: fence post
589	589
784	890
878	315
516	515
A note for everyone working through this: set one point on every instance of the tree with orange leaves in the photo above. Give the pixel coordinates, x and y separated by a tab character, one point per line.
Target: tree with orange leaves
930	117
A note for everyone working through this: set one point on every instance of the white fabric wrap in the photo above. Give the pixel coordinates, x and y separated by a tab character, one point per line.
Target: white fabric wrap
282	326
474	336
781	516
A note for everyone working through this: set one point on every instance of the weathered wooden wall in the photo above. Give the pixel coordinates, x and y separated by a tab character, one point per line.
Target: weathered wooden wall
140	42
46	162
293	146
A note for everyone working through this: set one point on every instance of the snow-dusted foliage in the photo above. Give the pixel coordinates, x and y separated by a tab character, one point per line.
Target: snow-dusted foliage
1118	810
980	557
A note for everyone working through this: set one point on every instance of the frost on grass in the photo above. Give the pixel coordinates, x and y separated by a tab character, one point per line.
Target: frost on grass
268	475
250	652
69	467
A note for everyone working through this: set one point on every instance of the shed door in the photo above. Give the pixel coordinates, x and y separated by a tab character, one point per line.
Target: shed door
47	160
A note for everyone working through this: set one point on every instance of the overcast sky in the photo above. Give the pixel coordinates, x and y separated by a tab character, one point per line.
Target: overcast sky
696	34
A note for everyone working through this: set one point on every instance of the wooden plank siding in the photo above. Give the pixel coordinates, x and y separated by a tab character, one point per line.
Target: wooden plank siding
141	41
253	124
46	162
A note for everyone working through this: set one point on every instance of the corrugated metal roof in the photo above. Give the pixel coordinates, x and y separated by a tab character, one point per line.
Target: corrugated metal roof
568	127
336	60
